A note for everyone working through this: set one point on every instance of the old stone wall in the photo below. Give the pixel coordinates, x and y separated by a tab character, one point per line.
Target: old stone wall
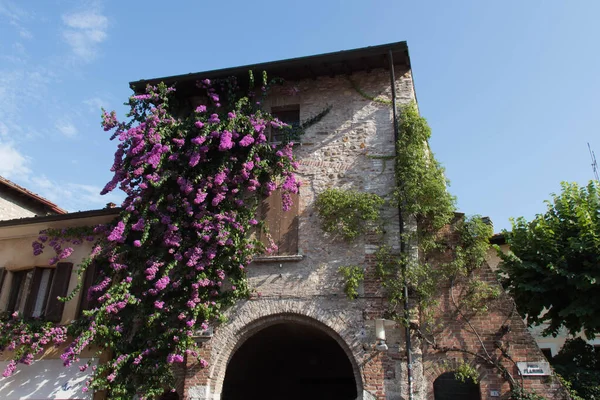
346	149
350	148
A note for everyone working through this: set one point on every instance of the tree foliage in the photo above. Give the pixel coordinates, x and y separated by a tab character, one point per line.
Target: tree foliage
553	268
579	364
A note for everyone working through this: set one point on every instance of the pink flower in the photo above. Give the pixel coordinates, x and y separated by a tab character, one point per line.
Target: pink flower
117	233
226	142
162	283
246	141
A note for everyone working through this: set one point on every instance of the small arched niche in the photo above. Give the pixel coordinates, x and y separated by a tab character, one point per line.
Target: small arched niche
447	387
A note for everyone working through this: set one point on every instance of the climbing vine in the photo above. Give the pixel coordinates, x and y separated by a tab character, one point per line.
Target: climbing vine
353	276
377	99
452	248
347	212
294	132
175	257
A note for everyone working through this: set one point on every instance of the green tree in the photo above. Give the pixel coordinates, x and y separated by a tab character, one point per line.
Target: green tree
553	268
579	364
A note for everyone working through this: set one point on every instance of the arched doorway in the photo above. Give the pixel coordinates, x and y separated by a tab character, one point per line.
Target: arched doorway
447	387
289	361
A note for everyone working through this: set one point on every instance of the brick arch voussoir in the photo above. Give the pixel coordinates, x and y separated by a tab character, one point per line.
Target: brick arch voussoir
252	316
439	365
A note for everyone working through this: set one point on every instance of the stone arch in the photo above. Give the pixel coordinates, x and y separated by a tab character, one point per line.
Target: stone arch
447	386
442	365
254	315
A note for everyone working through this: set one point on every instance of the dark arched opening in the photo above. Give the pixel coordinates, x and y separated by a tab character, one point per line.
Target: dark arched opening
289	361
169	396
447	387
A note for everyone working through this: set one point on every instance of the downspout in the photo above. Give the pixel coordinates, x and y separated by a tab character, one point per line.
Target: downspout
409	371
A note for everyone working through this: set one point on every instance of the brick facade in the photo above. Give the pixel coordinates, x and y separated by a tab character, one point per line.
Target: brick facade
349	148
500	326
345	150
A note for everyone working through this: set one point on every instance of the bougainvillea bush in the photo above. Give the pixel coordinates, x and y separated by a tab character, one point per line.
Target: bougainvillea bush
175	257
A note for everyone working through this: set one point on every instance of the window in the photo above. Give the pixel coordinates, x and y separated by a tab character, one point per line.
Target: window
2	275
288	114
34	292
282	225
547	353
91	278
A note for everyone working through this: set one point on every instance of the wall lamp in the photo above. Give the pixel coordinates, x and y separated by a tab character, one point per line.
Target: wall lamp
380	335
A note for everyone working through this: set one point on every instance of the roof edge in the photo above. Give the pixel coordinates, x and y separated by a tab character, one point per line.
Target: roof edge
394	46
61	217
498	238
32	196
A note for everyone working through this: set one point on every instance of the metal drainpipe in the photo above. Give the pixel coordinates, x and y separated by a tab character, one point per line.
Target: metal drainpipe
402	244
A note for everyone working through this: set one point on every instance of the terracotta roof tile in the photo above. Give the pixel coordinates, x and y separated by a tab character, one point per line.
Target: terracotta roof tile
33	196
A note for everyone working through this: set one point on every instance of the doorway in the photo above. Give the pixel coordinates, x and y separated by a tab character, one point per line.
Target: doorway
289	361
447	387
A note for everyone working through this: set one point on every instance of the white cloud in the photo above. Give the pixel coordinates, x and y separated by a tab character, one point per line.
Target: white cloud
66	128
73	196
25	34
85	30
95	104
21	89
3	129
15	16
19	48
13	164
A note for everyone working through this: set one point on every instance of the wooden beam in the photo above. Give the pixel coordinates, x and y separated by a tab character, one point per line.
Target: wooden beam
311	72
365	64
331	71
347	68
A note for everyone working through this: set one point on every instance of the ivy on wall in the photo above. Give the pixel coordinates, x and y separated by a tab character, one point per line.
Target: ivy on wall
347	212
429	211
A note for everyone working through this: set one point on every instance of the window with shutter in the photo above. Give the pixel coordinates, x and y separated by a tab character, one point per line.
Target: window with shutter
34	292
59	288
288	114
282	226
2	275
90	278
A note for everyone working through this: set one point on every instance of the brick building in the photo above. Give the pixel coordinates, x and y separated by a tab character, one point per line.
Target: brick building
299	336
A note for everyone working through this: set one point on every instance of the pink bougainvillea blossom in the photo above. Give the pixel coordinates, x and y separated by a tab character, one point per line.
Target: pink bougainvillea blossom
178	251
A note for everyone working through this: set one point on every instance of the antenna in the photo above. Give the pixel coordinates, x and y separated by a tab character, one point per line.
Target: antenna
594	163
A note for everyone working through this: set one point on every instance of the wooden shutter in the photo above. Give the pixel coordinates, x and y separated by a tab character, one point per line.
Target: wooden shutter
15	287
88	281
288	229
33	292
2	275
269	213
60	285
281	225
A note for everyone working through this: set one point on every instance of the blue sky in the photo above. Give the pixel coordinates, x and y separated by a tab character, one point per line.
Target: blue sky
510	88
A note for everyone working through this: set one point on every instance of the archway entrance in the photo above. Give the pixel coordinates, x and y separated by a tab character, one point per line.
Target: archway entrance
289	361
447	387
